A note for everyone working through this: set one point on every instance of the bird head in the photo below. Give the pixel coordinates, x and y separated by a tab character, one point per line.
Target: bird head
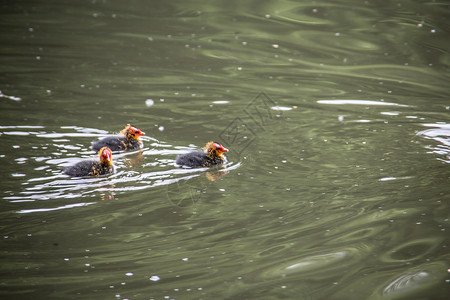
213	149
131	132
105	155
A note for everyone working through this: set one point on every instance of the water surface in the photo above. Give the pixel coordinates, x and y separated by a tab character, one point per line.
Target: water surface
336	115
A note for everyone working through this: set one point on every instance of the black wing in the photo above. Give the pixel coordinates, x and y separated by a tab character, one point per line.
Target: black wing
115	143
82	168
193	159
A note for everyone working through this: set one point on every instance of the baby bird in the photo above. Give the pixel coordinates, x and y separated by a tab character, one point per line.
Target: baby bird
128	139
92	167
210	156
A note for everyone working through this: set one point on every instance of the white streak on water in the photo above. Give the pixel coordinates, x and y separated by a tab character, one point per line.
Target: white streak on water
27	211
359	102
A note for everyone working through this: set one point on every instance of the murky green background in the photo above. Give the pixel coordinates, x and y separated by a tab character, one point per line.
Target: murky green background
336	114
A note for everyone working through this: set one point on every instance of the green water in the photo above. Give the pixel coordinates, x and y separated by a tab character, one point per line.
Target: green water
336	114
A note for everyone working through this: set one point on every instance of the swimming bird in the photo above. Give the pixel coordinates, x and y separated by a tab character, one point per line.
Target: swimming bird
93	167
211	155
128	139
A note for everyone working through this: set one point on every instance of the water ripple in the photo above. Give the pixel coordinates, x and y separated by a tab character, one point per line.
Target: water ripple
441	134
27	211
415	280
359	102
411	250
317	265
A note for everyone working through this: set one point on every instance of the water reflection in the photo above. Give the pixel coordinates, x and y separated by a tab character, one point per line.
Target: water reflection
406	283
441	134
359	102
311	265
27	211
415	282
14	98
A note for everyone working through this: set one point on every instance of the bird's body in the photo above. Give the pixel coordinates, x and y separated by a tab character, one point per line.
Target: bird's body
93	167
210	156
128	139
117	143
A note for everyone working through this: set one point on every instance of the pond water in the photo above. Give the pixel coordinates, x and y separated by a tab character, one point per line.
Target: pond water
336	115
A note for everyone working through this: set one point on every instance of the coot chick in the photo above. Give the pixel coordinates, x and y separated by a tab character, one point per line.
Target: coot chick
210	156
128	139
93	167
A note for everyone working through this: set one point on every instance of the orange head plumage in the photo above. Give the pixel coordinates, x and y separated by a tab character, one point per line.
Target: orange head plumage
132	133
213	149
105	156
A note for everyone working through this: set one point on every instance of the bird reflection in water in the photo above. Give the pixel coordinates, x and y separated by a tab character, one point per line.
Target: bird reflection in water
134	160
107	193
213	175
